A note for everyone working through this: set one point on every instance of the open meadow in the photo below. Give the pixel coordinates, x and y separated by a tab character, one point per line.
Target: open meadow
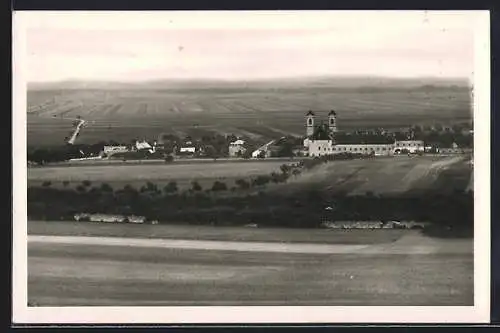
386	176
137	175
331	267
210	233
256	112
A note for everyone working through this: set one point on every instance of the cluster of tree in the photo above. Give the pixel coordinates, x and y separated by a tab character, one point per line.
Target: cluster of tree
138	155
211	146
304	209
53	154
128	200
441	139
445	140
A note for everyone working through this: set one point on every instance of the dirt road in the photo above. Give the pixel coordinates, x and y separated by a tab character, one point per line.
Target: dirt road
413	270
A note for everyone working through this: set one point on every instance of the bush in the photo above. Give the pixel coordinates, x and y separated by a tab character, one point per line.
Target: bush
278	177
261	180
151	187
46	183
285	168
219	186
243	184
80	188
170	188
196	186
86	183
106	187
169	159
65	183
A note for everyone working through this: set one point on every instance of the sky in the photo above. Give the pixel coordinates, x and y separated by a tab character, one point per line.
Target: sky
141	46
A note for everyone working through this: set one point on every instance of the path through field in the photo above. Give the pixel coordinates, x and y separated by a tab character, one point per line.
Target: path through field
115	271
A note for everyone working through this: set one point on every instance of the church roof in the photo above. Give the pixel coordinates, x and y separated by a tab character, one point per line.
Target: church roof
332	112
310	113
321	133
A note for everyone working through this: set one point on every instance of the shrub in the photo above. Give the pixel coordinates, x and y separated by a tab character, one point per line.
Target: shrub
46	183
243	184
278	177
86	183
219	186
105	187
65	183
261	180
151	187
196	186
285	168
80	188
170	188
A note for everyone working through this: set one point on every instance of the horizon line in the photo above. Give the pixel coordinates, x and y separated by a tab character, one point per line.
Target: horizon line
222	79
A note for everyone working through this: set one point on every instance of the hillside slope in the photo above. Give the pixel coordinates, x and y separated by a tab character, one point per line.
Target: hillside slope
386	176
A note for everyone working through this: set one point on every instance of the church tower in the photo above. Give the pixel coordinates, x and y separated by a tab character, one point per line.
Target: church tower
332	122
309	123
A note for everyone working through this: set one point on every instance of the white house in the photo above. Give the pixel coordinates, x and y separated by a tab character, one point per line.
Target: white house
142	145
263	150
236	148
110	150
191	150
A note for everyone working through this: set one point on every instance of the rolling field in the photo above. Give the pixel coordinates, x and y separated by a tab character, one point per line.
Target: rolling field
391	175
231	234
409	269
259	113
137	175
385	175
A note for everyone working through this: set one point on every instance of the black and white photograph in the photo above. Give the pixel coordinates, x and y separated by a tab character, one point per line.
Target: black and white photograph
260	166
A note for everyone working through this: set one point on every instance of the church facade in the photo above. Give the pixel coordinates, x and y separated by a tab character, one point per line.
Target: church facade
321	140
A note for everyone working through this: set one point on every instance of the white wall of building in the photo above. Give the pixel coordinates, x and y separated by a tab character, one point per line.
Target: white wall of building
377	149
326	147
109	150
320	147
188	149
413	146
234	149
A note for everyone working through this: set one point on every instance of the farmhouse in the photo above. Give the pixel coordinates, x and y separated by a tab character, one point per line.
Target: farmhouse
237	148
187	148
110	150
263	151
143	145
322	140
191	150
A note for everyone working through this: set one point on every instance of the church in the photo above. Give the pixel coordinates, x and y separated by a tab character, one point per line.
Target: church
322	140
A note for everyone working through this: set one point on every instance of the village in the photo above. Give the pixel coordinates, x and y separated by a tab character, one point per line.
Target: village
322	137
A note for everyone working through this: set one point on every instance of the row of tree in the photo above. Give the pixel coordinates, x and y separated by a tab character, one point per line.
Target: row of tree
199	206
305	209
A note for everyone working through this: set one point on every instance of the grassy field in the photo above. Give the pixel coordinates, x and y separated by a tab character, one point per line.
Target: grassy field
258	113
137	175
385	175
129	275
393	175
281	235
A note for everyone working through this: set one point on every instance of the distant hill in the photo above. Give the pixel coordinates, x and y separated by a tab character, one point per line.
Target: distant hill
337	83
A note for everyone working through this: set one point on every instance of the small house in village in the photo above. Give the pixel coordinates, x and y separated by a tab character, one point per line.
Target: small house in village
237	148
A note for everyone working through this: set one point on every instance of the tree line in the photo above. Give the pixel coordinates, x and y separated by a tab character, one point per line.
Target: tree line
306	209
